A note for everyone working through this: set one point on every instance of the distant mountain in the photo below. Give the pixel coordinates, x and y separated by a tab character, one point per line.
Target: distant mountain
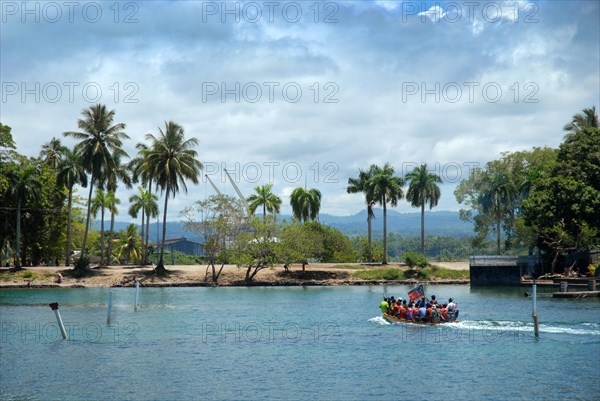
447	224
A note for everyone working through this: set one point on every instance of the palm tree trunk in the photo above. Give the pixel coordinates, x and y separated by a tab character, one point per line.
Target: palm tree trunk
87	219
498	233
18	240
423	228
384	230
369	213
102	236
264	213
143	248
69	217
147	227
110	238
161	266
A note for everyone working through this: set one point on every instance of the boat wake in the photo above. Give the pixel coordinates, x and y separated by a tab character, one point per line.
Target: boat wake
379	320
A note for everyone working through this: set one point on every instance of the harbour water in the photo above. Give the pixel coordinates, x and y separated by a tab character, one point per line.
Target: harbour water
295	343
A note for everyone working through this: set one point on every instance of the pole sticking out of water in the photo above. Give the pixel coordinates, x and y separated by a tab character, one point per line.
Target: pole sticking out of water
109	307
534	312
137	295
54	307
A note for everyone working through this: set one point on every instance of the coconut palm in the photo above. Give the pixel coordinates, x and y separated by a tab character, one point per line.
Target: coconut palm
128	247
24	186
100	142
496	193
386	188
171	160
305	203
112	203
147	203
99	203
52	152
70	173
423	189
361	184
587	119
264	197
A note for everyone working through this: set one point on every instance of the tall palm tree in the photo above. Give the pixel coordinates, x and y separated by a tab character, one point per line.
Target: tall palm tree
305	203
147	203
99	203
100	142
587	119
70	173
128	247
361	184
24	186
423	189
496	193
52	152
171	160
386	188
120	172
264	197
141	172
112	206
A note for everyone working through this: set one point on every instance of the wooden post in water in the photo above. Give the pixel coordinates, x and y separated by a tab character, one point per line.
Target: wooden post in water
536	329
109	307
54	307
137	295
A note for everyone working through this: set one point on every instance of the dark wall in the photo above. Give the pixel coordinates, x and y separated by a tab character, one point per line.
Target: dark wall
495	275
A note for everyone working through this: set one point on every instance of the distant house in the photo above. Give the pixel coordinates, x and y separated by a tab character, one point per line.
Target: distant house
182	245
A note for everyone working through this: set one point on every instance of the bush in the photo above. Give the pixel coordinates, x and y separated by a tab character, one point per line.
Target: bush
28	274
83	263
413	259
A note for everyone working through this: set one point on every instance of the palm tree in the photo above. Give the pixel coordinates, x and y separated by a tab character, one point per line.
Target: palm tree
171	160
360	184
580	121
121	173
100	203
264	197
147	203
136	165
496	193
101	142
386	188
24	186
52	152
305	203
111	205
70	173
128	247
423	189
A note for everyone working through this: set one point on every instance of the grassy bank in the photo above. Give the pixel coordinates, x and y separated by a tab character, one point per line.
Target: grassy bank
428	273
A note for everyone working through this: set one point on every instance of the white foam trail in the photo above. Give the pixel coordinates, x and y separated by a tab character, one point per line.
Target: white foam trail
502	325
379	320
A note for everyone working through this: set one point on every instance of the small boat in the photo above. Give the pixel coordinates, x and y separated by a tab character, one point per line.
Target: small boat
394	319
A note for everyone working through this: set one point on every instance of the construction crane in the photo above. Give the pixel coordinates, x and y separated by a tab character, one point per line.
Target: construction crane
237	190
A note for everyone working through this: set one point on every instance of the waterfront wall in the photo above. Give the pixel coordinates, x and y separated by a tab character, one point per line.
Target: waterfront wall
495	270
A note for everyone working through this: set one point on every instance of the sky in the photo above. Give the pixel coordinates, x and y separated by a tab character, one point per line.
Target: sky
305	93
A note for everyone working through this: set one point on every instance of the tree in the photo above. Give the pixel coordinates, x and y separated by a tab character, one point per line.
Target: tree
386	188
361	184
264	197
128	247
257	247
219	219
100	142
52	152
70	173
111	205
580	121
423	189
305	203
171	161
146	202
100	203
24	186
299	243
120	172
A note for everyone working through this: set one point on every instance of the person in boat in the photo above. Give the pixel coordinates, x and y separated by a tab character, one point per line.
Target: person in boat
384	305
435	315
452	308
422	312
433	300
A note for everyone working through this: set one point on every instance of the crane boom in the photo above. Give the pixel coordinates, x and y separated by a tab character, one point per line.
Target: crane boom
244	201
213	185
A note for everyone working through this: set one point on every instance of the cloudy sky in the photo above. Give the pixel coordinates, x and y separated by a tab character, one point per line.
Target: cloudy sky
306	93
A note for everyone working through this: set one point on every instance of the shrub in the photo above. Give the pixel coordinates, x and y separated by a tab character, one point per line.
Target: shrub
83	263
413	259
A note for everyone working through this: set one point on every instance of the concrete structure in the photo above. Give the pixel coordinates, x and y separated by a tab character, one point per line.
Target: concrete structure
182	245
495	270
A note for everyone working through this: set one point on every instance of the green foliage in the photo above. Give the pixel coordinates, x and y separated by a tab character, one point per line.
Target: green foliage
422	274
28	274
391	273
305	203
82	264
361	250
413	259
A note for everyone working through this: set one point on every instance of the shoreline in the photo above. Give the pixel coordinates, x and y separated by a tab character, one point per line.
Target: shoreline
321	275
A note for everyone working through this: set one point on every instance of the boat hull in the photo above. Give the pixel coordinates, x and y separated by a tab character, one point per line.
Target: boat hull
393	319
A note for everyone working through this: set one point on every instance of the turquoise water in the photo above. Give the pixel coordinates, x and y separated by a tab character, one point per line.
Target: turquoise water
313	343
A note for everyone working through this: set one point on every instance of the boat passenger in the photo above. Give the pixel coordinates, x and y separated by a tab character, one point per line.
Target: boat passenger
422	313
384	306
451	305
433	300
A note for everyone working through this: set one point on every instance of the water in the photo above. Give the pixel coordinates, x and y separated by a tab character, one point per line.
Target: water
295	344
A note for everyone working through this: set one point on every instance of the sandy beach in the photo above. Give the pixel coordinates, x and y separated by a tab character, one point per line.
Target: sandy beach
200	275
